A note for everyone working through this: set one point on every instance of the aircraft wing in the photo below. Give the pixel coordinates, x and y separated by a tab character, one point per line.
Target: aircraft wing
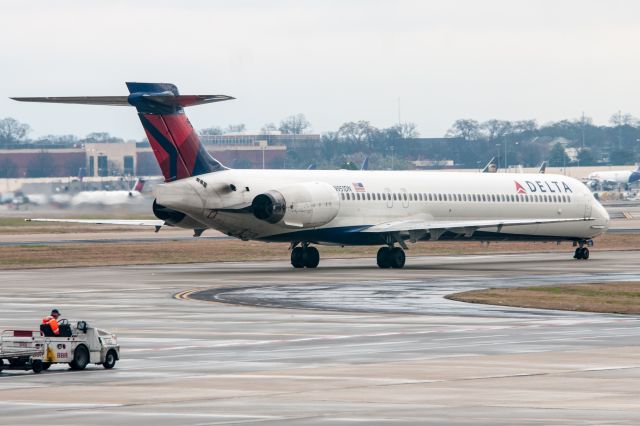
463	226
127	222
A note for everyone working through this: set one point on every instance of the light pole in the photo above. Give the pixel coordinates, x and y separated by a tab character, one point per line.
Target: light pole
392	148
506	163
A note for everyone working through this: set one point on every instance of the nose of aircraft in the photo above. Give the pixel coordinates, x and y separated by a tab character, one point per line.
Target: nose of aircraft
601	216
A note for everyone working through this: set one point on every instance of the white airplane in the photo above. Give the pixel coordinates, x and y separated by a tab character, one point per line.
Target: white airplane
343	207
613	177
109	198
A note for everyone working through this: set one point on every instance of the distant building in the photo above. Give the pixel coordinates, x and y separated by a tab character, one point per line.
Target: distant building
131	158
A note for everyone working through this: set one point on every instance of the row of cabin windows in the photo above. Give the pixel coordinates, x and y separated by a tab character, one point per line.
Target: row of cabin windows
496	198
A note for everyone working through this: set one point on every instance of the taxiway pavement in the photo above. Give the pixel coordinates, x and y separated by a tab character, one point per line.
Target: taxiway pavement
344	343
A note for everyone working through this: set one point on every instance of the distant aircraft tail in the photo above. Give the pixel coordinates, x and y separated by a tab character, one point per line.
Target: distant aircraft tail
365	164
175	143
543	167
139	185
490	167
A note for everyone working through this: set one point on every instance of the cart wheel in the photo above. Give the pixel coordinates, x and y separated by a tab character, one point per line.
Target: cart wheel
46	365
1	365
80	358
36	366
110	360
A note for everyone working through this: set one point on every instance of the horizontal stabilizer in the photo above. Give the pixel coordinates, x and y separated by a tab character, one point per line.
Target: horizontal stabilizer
82	100
161	99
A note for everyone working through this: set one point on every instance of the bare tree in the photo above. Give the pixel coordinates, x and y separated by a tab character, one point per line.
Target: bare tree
57	140
406	130
211	131
522	126
620	119
102	137
268	128
294	124
12	131
236	128
495	129
465	128
356	131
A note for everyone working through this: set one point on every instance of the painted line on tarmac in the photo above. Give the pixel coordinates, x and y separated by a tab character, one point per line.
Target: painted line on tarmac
185	295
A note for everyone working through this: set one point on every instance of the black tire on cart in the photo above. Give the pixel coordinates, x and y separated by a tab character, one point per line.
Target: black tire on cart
46	365
80	358
36	366
1	365
110	359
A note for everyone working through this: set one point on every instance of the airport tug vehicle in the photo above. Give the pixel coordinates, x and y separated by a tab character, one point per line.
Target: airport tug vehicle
78	346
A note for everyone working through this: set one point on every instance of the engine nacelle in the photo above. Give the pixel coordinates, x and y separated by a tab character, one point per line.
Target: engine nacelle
302	205
174	217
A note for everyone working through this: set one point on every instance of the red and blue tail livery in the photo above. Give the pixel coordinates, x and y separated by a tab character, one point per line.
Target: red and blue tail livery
175	143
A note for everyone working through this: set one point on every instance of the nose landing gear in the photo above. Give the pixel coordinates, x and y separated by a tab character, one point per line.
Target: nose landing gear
390	257
305	257
582	252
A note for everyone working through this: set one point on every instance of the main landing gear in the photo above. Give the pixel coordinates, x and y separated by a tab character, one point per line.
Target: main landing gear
390	257
582	252
305	257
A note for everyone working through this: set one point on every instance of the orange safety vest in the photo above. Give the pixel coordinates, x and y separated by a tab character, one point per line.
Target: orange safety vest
53	323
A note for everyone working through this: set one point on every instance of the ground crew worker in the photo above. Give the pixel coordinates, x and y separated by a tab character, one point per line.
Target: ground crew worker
52	321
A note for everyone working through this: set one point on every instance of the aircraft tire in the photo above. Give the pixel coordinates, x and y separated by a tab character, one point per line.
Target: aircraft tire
578	253
585	253
397	258
383	258
297	257
311	257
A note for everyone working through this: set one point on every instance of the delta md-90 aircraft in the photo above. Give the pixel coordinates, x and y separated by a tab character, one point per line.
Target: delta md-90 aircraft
342	207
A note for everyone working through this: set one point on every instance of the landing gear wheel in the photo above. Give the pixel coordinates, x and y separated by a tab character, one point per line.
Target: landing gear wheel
383	257
397	258
582	253
311	257
109	360
80	358
296	257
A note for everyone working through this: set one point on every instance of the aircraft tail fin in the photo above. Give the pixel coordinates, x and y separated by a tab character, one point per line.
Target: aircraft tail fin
543	167
139	185
174	142
365	164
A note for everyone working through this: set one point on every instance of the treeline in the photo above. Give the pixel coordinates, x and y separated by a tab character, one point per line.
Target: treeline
468	143
528	143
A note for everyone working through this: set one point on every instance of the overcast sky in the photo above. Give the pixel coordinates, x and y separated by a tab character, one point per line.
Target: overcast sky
334	61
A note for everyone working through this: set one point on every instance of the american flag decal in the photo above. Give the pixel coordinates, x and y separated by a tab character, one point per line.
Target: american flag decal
358	186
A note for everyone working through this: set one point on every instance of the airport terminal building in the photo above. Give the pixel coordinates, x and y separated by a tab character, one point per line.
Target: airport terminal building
136	158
